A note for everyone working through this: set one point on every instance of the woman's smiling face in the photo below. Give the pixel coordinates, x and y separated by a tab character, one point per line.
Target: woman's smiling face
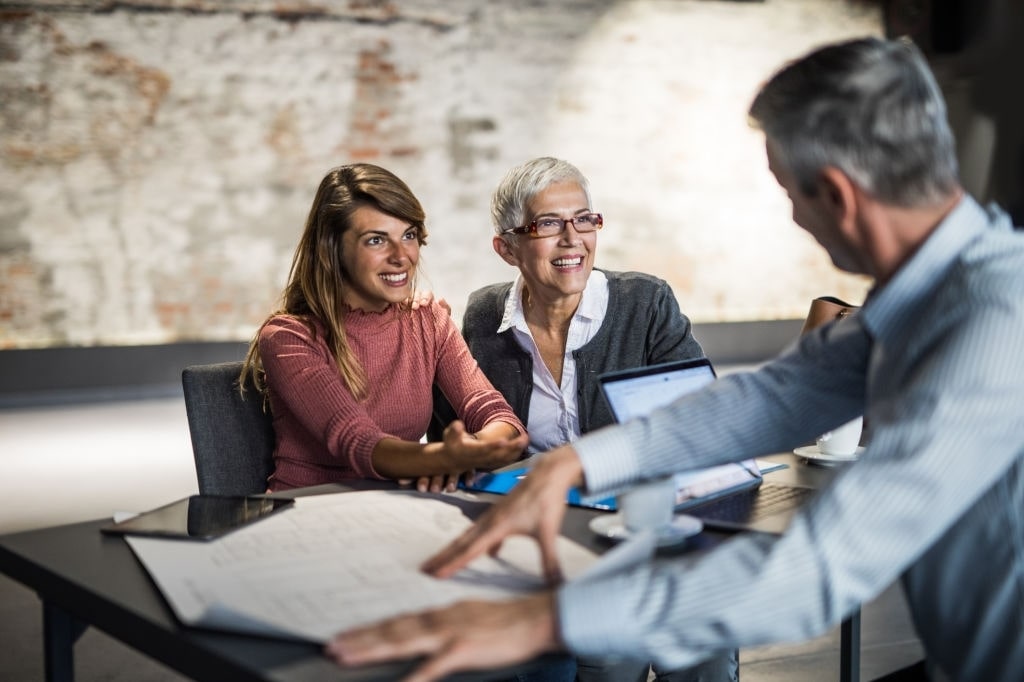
379	254
555	267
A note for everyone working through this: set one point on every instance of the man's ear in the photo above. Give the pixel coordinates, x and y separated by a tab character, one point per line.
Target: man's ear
503	249
839	196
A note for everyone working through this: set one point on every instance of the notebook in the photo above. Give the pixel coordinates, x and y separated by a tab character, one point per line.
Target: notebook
730	496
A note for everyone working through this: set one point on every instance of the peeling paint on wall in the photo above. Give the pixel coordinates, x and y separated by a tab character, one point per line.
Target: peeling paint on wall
157	159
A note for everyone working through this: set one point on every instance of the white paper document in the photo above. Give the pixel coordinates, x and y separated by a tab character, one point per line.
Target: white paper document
335	562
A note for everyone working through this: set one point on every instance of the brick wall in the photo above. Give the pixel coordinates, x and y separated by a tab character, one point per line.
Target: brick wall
157	158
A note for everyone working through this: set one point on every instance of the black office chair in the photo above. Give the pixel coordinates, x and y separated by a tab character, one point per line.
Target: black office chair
232	437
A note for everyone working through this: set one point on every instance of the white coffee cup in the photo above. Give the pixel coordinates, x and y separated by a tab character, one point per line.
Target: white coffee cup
842	441
649	505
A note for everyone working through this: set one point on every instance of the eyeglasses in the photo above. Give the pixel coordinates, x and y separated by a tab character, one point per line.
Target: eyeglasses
550	226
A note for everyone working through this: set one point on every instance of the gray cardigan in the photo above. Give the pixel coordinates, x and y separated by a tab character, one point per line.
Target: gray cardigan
642	326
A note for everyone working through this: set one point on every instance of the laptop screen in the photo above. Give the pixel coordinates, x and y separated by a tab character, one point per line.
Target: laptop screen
637	392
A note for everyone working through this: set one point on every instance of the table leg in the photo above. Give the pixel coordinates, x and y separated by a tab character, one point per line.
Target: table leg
849	648
60	632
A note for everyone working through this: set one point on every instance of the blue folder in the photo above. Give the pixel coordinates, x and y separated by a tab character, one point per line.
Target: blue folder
502	482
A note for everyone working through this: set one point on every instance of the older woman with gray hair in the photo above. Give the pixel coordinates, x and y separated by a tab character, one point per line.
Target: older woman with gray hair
544	338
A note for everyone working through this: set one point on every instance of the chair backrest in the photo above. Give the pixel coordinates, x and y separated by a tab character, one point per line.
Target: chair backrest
232	437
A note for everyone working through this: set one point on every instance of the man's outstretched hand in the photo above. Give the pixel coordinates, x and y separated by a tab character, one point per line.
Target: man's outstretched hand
470	635
535	507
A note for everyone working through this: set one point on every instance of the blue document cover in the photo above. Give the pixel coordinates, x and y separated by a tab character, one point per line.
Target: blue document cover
503	481
696	485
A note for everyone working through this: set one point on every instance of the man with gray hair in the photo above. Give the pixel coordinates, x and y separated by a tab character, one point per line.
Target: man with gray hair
856	134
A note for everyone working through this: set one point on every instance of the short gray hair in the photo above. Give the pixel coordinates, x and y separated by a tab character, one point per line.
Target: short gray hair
521	184
872	109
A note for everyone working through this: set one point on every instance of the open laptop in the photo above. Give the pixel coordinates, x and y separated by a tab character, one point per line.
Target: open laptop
731	496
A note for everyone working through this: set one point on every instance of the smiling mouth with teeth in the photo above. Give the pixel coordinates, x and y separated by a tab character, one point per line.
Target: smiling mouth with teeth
567	262
395	278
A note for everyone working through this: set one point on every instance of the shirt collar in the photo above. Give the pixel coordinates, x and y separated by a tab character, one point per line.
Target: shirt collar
886	309
595	297
513	317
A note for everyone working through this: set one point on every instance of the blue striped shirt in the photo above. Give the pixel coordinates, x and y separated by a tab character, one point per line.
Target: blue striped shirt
934	361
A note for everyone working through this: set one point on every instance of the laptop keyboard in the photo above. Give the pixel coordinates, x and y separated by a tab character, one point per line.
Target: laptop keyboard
768	499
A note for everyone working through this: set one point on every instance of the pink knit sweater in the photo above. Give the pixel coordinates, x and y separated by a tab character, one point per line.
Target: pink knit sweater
323	433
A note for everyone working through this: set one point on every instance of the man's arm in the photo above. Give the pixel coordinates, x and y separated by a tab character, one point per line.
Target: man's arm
878	516
608	459
817	385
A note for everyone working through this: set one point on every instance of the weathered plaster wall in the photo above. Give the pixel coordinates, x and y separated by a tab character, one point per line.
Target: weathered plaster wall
157	158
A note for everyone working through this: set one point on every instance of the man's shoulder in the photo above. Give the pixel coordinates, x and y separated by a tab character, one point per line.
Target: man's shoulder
993	266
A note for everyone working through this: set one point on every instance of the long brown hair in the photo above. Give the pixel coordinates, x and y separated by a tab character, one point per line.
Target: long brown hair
316	282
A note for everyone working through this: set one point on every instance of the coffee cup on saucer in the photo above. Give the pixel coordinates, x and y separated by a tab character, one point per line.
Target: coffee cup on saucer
842	441
649	505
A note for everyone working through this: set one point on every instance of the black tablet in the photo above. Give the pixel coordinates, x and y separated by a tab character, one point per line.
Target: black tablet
200	517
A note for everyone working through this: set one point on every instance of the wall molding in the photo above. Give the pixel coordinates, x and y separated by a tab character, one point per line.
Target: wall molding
55	376
44	376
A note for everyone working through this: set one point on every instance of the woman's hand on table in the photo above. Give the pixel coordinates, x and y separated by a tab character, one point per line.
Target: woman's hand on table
491	448
442	483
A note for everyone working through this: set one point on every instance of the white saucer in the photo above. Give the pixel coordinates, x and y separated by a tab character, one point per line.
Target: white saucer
812	454
611	527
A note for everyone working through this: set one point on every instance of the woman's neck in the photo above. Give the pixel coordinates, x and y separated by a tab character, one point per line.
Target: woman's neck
552	315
